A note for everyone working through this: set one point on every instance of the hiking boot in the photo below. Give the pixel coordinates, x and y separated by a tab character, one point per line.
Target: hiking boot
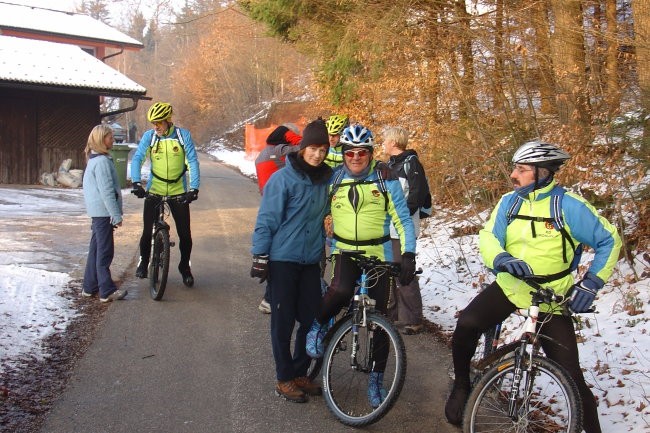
376	394
188	278
413	329
142	270
289	391
115	296
307	386
315	337
455	405
264	307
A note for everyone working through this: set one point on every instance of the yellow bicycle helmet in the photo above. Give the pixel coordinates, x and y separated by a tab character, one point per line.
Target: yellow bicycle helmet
159	111
335	124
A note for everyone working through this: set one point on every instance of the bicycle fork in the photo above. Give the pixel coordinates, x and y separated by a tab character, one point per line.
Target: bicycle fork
518	401
523	364
360	320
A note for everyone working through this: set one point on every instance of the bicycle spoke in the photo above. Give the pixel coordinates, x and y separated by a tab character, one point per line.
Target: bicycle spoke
346	377
545	401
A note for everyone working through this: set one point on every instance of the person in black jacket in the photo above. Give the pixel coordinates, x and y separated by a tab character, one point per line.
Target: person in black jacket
405	165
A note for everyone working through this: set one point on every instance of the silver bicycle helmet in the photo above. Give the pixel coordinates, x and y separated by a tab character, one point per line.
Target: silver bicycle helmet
540	154
357	136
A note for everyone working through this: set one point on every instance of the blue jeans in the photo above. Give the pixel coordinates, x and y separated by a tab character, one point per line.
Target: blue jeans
97	277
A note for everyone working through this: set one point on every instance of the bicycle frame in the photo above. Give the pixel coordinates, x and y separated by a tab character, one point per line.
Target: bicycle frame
362	303
523	358
363	347
160	246
162	210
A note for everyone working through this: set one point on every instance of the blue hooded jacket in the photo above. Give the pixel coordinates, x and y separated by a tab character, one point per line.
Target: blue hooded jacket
289	225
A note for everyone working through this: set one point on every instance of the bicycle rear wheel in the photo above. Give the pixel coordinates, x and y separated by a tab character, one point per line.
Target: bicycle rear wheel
159	265
546	400
348	367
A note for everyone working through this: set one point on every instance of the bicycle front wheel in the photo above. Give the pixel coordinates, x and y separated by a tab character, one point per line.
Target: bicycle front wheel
545	400
159	265
352	360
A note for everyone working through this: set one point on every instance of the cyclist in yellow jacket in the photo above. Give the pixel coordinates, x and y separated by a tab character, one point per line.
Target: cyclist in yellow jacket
364	200
538	229
335	124
173	158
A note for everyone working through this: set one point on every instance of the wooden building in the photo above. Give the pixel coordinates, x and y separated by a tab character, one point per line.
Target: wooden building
52	80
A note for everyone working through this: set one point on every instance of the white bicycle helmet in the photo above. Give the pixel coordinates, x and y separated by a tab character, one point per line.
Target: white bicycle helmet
357	136
540	154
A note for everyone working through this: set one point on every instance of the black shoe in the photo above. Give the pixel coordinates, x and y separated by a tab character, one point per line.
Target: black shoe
142	270
188	278
456	404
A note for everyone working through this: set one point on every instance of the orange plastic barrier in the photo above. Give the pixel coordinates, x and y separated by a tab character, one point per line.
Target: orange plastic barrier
255	139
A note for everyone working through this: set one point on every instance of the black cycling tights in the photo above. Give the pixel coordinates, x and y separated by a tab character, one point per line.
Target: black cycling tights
346	273
181	214
490	307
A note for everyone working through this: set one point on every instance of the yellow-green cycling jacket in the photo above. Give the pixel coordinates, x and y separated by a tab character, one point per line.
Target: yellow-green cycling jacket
543	252
334	156
362	213
172	156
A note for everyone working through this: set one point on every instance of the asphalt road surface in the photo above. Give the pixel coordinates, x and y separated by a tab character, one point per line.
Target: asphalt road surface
200	360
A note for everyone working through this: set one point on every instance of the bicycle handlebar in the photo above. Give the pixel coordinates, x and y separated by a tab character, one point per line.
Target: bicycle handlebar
370	262
543	295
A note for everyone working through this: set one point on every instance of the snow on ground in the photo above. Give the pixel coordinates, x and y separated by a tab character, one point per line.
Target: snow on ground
615	353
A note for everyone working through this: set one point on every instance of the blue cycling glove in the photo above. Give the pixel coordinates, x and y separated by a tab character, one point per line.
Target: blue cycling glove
505	262
584	293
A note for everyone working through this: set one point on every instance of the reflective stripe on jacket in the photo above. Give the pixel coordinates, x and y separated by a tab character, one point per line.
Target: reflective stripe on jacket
544	251
334	156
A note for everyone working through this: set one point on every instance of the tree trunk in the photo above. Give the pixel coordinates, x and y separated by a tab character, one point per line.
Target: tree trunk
611	62
641	11
468	102
546	82
568	54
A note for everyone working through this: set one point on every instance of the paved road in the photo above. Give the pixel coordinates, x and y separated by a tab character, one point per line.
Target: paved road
200	360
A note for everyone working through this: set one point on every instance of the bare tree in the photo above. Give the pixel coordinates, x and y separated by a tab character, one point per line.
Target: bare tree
641	9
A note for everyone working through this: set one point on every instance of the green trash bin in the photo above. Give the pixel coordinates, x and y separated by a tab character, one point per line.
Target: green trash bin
120	154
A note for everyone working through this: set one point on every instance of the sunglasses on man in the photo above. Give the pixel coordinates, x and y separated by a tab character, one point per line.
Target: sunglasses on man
359	152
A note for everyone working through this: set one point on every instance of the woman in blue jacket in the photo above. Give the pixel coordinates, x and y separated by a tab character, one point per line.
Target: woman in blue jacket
287	247
103	199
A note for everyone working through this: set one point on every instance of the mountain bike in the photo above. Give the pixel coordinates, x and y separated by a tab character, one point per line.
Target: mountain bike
356	346
520	390
160	245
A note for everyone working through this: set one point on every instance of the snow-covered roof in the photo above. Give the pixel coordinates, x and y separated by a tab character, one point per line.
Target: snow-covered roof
65	24
26	61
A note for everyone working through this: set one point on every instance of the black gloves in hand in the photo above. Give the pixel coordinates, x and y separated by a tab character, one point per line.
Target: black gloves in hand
191	195
407	272
138	190
260	268
505	262
584	293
